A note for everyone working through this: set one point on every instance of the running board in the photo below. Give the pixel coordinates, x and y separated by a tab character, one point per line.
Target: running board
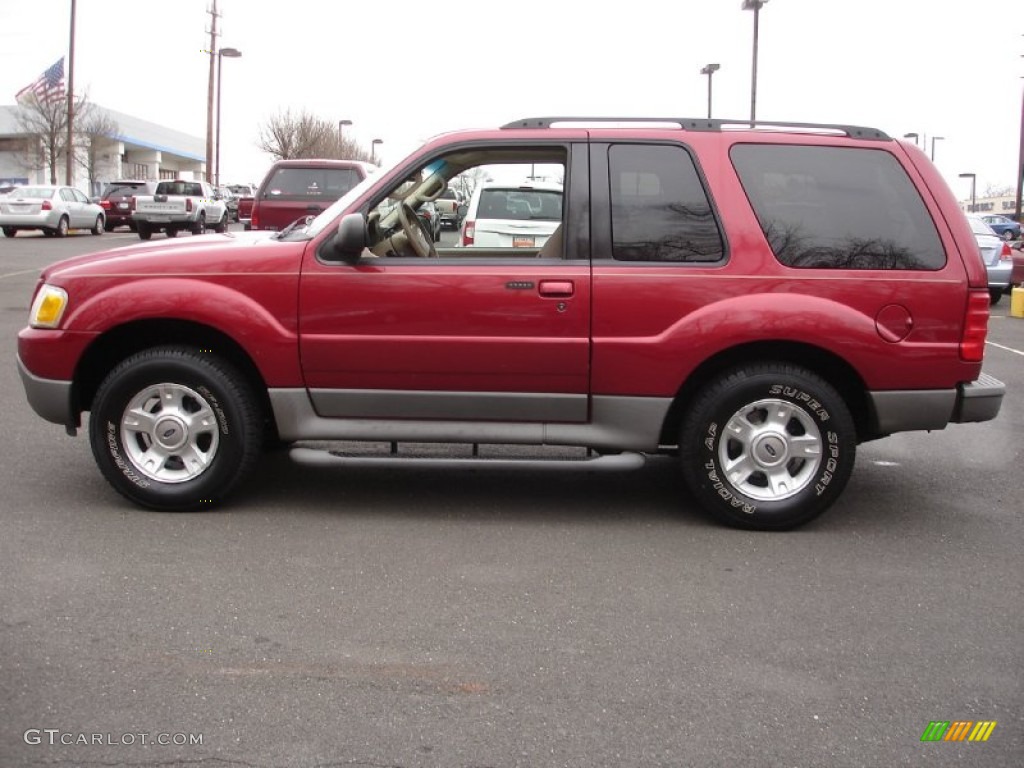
618	462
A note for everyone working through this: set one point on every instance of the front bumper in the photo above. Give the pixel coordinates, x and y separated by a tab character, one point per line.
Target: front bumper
50	398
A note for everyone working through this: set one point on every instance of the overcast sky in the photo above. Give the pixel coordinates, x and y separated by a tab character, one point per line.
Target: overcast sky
402	71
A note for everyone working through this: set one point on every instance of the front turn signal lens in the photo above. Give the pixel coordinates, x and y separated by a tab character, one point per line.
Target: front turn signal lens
48	307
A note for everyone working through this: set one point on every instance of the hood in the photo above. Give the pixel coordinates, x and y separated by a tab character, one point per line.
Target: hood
204	254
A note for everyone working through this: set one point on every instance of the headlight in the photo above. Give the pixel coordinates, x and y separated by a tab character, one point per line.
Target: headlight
48	308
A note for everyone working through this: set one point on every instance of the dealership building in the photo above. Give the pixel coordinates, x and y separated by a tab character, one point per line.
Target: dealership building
137	149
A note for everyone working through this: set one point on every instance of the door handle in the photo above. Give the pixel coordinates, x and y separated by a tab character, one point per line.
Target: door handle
556	288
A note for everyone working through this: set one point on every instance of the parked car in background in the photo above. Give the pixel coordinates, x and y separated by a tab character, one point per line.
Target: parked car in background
118	201
296	188
6	188
53	209
1005	227
448	206
503	215
230	200
996	254
431	219
180	204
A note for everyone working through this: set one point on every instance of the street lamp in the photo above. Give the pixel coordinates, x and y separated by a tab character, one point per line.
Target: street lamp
341	128
373	149
231	53
755	6
934	139
913	136
709	70
973	178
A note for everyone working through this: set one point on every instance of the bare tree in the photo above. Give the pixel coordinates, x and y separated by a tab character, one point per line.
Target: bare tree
47	122
97	130
994	190
286	136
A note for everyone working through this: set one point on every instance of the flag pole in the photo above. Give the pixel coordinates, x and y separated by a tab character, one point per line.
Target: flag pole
69	170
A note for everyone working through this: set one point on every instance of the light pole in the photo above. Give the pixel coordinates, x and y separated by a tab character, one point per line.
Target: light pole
913	136
934	139
341	129
973	177
231	53
755	6
709	70
373	149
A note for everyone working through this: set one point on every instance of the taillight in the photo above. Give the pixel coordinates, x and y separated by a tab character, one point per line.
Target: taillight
105	205
133	202
468	232
47	205
972	342
254	217
188	203
1006	254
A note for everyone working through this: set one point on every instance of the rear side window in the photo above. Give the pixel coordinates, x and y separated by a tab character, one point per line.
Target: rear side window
302	183
838	208
520	204
660	211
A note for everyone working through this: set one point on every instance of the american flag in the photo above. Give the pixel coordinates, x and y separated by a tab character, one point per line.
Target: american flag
48	88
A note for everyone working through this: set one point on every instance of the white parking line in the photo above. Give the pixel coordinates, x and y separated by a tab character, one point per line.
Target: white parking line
1008	349
23	272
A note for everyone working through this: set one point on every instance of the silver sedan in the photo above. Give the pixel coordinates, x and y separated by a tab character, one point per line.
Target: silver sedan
53	209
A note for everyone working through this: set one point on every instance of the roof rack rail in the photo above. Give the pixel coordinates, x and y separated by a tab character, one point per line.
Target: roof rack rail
698	124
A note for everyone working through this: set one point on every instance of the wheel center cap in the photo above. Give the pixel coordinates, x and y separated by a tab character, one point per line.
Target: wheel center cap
170	433
770	450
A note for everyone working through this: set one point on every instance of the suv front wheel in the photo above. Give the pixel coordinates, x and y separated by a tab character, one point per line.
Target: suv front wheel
174	429
767	446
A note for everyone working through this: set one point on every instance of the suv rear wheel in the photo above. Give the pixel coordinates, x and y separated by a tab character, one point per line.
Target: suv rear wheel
173	429
767	446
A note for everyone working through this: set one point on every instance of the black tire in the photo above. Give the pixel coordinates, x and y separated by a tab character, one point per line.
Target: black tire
62	227
10	231
171	232
98	228
753	421
200	225
1008	235
143	230
108	226
146	461
221	226
994	295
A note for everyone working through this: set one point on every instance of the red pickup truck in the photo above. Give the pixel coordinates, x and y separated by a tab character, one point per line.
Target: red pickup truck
753	300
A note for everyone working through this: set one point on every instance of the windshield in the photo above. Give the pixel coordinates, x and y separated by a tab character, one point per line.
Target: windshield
329	214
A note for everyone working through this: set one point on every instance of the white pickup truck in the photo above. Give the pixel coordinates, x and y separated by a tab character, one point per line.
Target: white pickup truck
178	205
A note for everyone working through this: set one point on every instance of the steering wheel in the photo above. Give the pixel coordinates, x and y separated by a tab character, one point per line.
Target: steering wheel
415	232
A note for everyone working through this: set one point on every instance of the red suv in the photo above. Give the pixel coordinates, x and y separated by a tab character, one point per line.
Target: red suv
754	302
294	189
118	201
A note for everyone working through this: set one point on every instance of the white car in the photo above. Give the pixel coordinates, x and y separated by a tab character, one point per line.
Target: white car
509	215
996	255
53	209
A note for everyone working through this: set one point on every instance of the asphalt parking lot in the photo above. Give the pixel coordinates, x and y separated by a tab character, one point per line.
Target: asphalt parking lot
507	618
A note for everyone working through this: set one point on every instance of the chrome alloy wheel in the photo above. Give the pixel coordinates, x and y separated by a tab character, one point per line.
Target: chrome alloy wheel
170	433
770	450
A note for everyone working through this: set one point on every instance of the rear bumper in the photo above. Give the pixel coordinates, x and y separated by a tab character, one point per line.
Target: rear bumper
979	400
909	410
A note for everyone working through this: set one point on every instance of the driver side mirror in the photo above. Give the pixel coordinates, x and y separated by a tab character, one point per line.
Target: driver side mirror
351	238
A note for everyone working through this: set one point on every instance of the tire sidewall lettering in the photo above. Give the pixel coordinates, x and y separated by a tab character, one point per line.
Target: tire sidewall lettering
122	464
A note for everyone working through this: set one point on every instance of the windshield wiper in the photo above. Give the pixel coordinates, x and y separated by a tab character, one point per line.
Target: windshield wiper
302	221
